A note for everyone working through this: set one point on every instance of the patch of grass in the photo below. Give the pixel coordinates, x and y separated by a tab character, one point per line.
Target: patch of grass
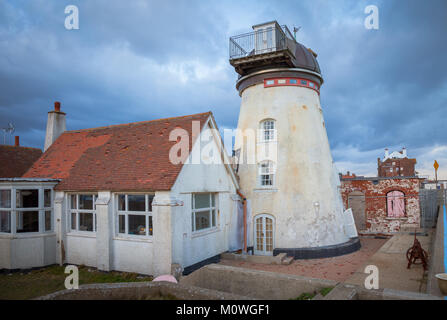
36	283
310	296
305	296
325	291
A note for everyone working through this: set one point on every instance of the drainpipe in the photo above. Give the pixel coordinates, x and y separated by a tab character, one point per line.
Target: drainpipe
244	203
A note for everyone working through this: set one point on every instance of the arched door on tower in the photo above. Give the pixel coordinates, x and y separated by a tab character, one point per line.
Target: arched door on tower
264	235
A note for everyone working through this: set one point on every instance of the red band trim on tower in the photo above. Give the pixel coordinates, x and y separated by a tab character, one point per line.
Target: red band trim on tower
296	82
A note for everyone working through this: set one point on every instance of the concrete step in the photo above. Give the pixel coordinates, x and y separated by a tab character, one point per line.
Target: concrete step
342	292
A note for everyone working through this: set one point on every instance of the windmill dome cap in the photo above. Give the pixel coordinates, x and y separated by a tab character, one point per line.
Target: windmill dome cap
306	58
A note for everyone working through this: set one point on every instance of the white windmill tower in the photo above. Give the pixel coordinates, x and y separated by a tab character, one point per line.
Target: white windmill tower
295	203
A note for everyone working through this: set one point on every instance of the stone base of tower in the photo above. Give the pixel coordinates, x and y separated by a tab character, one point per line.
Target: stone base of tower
321	252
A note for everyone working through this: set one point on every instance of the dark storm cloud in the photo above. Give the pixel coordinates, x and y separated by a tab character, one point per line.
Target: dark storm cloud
137	60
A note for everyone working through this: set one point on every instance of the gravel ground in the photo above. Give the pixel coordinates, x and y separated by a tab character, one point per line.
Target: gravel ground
337	268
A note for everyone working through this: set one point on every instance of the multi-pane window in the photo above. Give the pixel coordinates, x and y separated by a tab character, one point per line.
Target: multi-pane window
203	211
5	211
135	214
267	130
31	214
83	212
266	173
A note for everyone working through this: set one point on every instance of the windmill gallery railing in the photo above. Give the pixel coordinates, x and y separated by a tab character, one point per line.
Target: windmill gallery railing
258	42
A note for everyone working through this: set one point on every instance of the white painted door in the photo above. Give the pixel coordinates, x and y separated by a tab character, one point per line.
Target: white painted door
264	40
264	235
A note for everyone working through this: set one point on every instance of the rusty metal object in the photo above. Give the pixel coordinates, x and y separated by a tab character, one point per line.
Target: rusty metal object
416	254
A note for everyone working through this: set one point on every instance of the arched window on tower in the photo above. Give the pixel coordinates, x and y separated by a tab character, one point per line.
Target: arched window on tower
268	130
267	173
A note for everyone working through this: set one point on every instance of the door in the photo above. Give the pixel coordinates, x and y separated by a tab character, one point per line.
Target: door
356	201
264	39
396	204
264	235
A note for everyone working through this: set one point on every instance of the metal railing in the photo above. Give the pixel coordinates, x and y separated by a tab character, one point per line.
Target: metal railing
258	42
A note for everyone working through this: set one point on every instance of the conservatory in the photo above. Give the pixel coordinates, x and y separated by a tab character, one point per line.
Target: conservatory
27	235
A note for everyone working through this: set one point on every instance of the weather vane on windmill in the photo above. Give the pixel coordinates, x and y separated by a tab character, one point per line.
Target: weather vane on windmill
295	30
9	130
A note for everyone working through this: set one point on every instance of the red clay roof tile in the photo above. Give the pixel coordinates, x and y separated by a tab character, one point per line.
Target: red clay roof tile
127	157
15	161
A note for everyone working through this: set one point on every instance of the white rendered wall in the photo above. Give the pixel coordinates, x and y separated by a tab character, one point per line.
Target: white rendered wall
28	251
133	256
304	174
188	247
81	249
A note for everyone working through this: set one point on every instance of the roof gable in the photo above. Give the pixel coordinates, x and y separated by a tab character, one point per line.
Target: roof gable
129	157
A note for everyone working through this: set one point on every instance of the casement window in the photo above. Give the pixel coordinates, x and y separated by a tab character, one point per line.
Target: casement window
268	132
83	212
204	210
135	214
266	174
32	210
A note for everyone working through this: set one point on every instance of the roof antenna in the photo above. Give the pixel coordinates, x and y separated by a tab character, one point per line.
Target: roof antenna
295	30
8	130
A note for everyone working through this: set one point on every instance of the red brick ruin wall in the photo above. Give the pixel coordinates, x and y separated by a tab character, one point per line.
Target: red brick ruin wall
377	220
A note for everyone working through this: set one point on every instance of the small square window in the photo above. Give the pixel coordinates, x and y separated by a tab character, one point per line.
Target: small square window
5	221
270	82
86	201
292	81
137	224
85	221
47	220
122	202
47	198
303	82
5	198
281	81
136	202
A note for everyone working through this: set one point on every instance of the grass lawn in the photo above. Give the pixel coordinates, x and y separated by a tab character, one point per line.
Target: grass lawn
36	283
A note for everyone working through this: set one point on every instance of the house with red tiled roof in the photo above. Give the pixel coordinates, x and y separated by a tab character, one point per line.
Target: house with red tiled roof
141	197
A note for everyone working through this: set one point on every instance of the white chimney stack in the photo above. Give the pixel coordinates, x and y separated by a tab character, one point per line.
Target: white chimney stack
387	154
404	152
56	125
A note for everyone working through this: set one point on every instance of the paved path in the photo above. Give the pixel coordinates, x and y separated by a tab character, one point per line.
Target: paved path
392	264
337	268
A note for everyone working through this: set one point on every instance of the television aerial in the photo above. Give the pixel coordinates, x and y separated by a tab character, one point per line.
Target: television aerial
8	131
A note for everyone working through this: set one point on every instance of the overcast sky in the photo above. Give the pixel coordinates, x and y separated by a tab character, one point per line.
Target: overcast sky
141	60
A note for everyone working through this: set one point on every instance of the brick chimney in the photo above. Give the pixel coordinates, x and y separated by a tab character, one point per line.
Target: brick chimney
56	125
17	141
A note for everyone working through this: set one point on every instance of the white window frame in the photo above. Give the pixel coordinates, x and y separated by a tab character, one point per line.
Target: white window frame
41	209
147	213
77	211
270	130
271	171
213	210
